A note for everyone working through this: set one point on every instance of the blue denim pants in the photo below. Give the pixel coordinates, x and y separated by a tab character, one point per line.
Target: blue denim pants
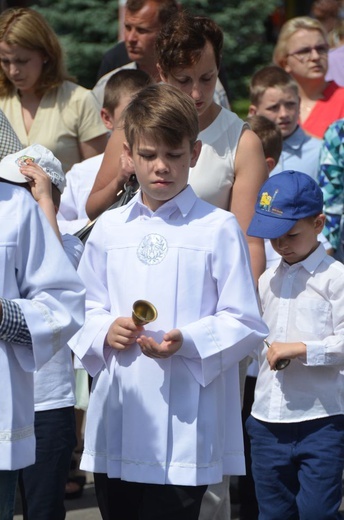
297	468
8	484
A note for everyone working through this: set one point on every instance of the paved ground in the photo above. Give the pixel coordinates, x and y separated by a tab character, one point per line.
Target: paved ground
85	508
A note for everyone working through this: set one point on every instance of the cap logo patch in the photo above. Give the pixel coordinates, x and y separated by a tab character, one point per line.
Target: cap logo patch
24	160
266	201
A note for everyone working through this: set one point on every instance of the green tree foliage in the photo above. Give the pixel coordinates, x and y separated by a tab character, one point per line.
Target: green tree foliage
87	28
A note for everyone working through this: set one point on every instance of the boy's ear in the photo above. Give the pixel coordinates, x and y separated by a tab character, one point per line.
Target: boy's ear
197	147
107	119
128	154
271	163
252	110
319	223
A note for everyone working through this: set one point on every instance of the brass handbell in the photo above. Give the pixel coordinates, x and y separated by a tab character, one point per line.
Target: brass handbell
143	312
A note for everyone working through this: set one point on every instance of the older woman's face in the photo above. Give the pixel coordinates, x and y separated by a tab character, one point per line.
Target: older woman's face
307	53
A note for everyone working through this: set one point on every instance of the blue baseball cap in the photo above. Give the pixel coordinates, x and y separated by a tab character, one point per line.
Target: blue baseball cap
282	200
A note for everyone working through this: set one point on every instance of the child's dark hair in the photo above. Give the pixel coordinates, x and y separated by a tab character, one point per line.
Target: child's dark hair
163	113
269	134
125	81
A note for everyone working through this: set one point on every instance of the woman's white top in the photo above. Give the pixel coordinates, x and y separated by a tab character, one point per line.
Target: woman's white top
213	176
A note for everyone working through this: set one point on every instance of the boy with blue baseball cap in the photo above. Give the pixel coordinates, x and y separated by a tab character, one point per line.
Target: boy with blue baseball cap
297	422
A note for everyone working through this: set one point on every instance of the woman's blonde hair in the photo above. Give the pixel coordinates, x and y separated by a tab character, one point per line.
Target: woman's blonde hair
27	28
288	29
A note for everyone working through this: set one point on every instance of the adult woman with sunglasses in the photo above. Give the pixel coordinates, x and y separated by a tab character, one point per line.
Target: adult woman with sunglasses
302	50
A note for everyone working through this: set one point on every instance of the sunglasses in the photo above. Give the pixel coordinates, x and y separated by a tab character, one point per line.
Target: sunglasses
305	53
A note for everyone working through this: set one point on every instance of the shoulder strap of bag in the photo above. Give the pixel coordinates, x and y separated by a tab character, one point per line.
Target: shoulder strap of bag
129	190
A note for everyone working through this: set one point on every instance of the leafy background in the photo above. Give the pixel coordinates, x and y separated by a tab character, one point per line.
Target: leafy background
87	28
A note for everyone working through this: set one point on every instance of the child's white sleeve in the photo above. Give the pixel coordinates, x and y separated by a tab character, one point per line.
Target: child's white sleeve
73	248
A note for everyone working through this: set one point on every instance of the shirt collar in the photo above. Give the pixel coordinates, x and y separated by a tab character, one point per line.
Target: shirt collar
296	140
183	203
312	262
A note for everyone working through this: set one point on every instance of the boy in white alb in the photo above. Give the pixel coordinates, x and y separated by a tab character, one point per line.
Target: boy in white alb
164	413
296	425
41	307
42	484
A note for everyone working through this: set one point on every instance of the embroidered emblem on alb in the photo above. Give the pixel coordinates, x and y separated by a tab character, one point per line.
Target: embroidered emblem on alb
153	249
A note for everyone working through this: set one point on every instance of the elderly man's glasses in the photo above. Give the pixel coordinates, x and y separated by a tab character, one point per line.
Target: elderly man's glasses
305	53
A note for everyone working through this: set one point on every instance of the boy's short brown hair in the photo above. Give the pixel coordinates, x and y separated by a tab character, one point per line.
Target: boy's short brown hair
125	81
269	134
161	112
271	76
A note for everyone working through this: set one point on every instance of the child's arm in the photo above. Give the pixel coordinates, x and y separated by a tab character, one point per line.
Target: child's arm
113	173
280	350
250	173
41	189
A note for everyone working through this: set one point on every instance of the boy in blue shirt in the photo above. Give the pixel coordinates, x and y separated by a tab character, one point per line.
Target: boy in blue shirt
274	94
